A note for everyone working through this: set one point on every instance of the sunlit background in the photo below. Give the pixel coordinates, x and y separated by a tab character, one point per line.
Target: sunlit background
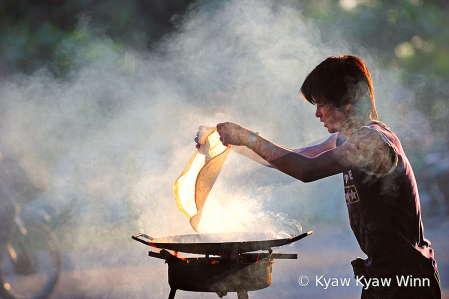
100	102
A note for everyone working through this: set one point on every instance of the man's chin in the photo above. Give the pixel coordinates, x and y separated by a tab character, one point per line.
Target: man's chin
329	128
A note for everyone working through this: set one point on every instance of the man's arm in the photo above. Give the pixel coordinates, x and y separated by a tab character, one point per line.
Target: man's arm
315	150
302	167
357	150
310	151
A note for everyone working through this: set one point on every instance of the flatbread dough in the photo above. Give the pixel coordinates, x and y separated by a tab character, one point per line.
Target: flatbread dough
196	180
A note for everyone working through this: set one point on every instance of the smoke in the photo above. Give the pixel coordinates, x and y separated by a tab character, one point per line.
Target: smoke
116	131
109	137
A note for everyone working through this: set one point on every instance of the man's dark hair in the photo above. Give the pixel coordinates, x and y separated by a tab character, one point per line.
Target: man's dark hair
341	80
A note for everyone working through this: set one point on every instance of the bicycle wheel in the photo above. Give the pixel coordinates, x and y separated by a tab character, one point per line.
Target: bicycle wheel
31	269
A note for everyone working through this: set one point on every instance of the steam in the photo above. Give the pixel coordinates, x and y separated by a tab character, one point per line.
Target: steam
108	138
111	137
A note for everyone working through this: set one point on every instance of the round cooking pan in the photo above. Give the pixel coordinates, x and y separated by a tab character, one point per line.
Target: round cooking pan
218	244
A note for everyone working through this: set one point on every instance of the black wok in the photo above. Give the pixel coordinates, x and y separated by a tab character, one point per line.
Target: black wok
218	244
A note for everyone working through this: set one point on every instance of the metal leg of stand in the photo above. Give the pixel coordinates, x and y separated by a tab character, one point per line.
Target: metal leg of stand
172	294
242	295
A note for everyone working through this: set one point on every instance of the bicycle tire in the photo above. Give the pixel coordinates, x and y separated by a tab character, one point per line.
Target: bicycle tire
38	235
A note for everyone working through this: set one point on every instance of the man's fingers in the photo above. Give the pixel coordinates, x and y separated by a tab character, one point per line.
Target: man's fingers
220	127
222	131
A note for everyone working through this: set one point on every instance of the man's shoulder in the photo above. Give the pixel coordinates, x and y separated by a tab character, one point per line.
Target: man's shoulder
372	150
367	136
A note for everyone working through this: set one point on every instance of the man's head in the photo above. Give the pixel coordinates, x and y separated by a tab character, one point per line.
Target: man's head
340	81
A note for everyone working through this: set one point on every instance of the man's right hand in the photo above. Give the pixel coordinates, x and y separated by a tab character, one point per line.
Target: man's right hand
232	134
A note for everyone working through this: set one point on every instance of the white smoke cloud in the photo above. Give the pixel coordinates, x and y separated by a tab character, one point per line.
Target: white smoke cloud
116	131
110	136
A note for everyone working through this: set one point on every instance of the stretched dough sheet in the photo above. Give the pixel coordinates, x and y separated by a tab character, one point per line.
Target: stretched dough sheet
198	177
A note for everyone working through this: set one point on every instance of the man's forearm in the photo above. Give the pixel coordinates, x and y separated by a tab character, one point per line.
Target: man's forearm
324	161
248	153
281	158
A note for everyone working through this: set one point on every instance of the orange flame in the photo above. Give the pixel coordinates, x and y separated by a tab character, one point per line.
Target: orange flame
174	253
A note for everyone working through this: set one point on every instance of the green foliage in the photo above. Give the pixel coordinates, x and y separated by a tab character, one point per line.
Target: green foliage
409	35
31	30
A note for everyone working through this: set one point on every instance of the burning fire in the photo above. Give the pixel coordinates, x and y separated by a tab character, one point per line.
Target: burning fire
174	253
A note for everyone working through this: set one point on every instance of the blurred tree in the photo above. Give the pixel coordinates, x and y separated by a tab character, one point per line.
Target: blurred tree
32	29
409	35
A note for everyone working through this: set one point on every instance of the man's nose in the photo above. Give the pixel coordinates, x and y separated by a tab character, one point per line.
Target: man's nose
318	112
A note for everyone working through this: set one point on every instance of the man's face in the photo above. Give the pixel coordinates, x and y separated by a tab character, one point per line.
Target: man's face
332	117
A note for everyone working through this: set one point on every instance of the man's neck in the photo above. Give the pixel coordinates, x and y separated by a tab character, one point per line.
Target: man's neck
351	126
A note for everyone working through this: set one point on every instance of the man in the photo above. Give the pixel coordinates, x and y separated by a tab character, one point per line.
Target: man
380	189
